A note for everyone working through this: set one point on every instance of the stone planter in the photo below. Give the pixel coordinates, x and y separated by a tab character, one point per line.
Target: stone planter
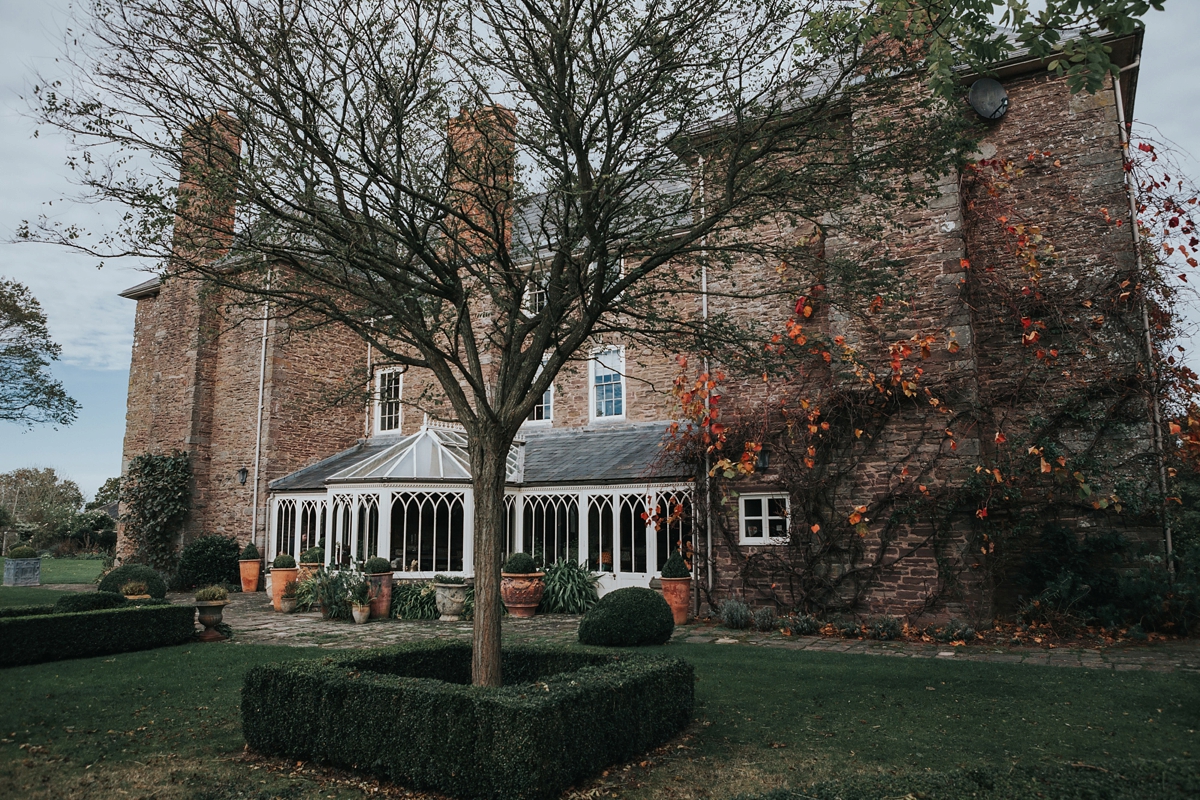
147	597
360	613
522	593
678	594
287	605
280	577
451	599
250	570
381	594
22	571
210	616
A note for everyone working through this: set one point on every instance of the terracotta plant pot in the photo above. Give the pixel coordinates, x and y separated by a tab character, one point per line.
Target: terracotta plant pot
381	595
251	570
360	613
522	593
307	571
280	577
141	597
451	600
210	617
678	594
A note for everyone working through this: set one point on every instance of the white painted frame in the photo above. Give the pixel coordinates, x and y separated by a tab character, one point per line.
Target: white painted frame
377	401
592	363
765	497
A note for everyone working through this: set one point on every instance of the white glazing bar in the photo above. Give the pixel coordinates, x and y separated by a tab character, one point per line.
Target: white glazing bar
468	499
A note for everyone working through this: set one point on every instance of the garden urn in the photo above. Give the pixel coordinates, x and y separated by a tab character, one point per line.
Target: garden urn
22	571
521	592
287	605
280	577
678	594
451	600
210	617
251	570
361	613
381	594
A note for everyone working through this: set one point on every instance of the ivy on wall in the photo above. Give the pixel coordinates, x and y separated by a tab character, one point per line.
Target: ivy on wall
157	493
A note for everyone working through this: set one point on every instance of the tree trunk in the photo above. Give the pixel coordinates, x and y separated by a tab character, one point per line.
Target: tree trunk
489	456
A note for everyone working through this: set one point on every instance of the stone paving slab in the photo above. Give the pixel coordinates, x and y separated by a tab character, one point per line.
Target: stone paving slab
254	621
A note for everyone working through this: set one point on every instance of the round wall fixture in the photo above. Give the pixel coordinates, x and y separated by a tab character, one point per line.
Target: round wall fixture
988	98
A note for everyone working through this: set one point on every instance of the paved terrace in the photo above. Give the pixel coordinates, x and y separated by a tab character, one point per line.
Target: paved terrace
255	622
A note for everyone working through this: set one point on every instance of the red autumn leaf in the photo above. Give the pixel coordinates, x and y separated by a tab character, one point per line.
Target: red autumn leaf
1000	438
982	513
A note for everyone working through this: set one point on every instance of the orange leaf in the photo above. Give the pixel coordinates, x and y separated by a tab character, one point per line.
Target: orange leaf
1175	428
952	346
981	513
1000	438
815	528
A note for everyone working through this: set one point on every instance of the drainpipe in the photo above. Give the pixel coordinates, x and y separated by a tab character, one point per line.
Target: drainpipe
1156	413
708	518
262	375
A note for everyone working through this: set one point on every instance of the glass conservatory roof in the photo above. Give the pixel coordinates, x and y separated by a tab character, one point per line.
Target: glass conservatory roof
432	453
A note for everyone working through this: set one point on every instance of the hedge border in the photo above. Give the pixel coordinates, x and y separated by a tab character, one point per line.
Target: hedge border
39	638
565	714
25	611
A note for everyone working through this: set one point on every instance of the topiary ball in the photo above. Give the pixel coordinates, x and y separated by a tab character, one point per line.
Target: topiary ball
250	553
88	601
519	564
629	617
284	561
376	565
23	551
113	581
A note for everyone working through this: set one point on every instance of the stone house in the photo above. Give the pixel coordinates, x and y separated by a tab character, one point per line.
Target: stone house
277	461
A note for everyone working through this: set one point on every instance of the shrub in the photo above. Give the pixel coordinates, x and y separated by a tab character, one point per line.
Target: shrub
521	741
359	590
306	593
24	611
52	637
157	495
375	565
676	567
764	619
250	553
22	551
208	560
629	617
953	631
211	594
331	591
284	561
570	588
414	600
289	589
316	555
885	629
802	625
88	601
113	581
735	614
134	588
450	580
848	629
519	564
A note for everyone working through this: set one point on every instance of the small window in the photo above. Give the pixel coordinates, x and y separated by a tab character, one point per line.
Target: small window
608	384
543	411
537	296
764	518
388	385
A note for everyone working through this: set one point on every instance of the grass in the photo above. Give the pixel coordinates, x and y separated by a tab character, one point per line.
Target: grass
69	570
164	723
28	596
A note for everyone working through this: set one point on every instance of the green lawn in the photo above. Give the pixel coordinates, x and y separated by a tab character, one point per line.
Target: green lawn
164	723
28	596
69	570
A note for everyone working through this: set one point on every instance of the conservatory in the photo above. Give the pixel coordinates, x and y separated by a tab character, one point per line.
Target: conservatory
602	497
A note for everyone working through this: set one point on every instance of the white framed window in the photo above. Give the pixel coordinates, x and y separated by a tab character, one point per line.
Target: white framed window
763	518
388	414
543	411
607	382
536	295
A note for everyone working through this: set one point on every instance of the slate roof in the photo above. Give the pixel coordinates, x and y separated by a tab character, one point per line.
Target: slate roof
616	454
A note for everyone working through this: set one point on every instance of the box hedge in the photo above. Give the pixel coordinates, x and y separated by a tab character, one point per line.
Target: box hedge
32	639
25	611
408	714
631	617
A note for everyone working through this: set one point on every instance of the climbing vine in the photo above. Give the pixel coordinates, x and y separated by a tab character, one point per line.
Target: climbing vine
157	496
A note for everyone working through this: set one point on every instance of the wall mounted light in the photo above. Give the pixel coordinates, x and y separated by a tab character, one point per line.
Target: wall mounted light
242	474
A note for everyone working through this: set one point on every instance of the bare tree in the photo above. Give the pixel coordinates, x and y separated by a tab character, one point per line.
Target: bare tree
605	153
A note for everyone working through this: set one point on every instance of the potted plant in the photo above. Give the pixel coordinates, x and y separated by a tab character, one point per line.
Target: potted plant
287	603
250	567
379	573
521	585
311	561
451	596
360	599
329	592
677	586
283	569
23	567
136	590
210	601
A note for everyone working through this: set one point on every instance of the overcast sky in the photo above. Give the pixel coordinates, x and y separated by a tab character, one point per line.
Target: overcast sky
94	325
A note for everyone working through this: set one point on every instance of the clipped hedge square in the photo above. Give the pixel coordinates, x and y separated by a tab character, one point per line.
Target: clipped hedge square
409	714
37	637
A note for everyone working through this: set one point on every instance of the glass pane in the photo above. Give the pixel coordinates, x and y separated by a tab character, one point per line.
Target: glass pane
753	507
778	528
777	507
754	529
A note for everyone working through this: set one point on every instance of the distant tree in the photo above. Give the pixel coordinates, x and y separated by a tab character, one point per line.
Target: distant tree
92	530
41	502
109	492
28	393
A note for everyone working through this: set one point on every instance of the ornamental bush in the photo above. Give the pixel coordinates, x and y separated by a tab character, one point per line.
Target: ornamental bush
113	581
22	551
315	555
629	617
209	560
33	639
885	629
519	564
802	625
375	565
25	611
212	594
570	588
676	567
735	614
88	601
765	620
284	561
250	553
562	715
414	600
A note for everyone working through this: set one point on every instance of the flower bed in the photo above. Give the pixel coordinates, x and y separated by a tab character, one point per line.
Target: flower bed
408	714
37	636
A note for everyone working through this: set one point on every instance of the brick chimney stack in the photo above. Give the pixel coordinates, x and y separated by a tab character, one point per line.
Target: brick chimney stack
207	203
482	159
